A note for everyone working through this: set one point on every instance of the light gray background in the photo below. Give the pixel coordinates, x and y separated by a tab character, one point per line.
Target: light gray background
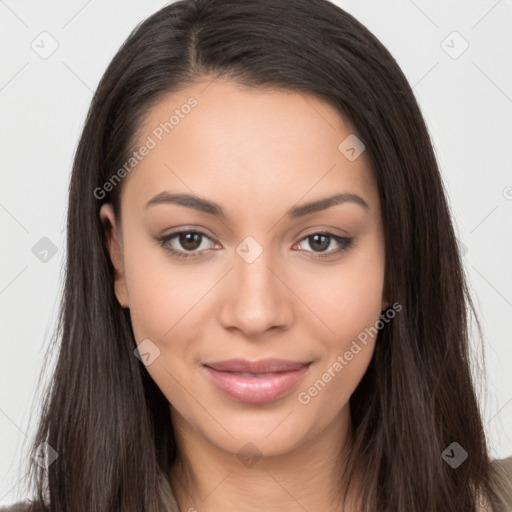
467	102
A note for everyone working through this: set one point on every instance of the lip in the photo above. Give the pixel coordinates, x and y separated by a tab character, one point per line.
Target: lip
261	366
256	381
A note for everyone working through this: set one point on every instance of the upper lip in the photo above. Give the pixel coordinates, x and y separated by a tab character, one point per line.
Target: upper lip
262	366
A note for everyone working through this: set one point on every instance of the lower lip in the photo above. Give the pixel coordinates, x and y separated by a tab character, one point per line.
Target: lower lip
256	390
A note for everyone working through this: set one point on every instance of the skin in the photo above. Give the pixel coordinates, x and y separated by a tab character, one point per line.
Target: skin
256	153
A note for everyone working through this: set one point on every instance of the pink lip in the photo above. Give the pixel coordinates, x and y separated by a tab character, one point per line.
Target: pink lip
271	378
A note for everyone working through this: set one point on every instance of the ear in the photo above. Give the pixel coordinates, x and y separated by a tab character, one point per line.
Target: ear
114	245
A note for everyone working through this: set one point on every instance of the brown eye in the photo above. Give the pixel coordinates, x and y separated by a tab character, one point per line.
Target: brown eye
187	245
190	240
320	242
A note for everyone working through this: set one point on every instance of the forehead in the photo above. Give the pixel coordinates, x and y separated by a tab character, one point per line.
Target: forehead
217	138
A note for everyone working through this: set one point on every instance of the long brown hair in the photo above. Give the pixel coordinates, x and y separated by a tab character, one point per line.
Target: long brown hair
105	417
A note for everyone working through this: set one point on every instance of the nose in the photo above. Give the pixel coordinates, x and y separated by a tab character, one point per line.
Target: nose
257	296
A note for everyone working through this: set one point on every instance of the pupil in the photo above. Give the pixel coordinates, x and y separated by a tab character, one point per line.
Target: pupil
187	241
323	245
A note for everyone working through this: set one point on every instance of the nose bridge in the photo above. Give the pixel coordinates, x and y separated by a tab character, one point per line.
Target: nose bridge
252	267
257	299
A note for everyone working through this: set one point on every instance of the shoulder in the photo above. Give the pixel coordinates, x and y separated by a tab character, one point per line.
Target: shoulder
164	485
502	468
501	481
20	506
24	506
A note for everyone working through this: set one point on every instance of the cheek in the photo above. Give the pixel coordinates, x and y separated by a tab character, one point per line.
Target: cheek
349	304
357	302
346	352
346	299
162	299
329	390
161	294
152	295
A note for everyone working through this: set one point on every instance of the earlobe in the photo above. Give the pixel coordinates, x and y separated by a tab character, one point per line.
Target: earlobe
113	239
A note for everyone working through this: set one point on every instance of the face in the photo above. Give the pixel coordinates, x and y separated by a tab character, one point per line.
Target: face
255	275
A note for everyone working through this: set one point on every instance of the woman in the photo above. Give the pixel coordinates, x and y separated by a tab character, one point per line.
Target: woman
264	306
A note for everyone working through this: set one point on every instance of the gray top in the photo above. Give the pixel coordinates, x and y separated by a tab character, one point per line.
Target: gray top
164	488
501	472
21	506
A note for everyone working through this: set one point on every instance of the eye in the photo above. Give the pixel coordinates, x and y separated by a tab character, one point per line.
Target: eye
189	240
321	241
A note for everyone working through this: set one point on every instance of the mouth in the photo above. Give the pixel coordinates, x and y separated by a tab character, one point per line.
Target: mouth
256	381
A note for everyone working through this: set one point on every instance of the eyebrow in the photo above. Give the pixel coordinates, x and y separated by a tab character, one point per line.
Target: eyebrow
203	205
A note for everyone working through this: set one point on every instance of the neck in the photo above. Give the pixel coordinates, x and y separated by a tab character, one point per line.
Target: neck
207	478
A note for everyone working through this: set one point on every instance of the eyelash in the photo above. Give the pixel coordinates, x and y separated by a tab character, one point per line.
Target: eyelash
164	240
